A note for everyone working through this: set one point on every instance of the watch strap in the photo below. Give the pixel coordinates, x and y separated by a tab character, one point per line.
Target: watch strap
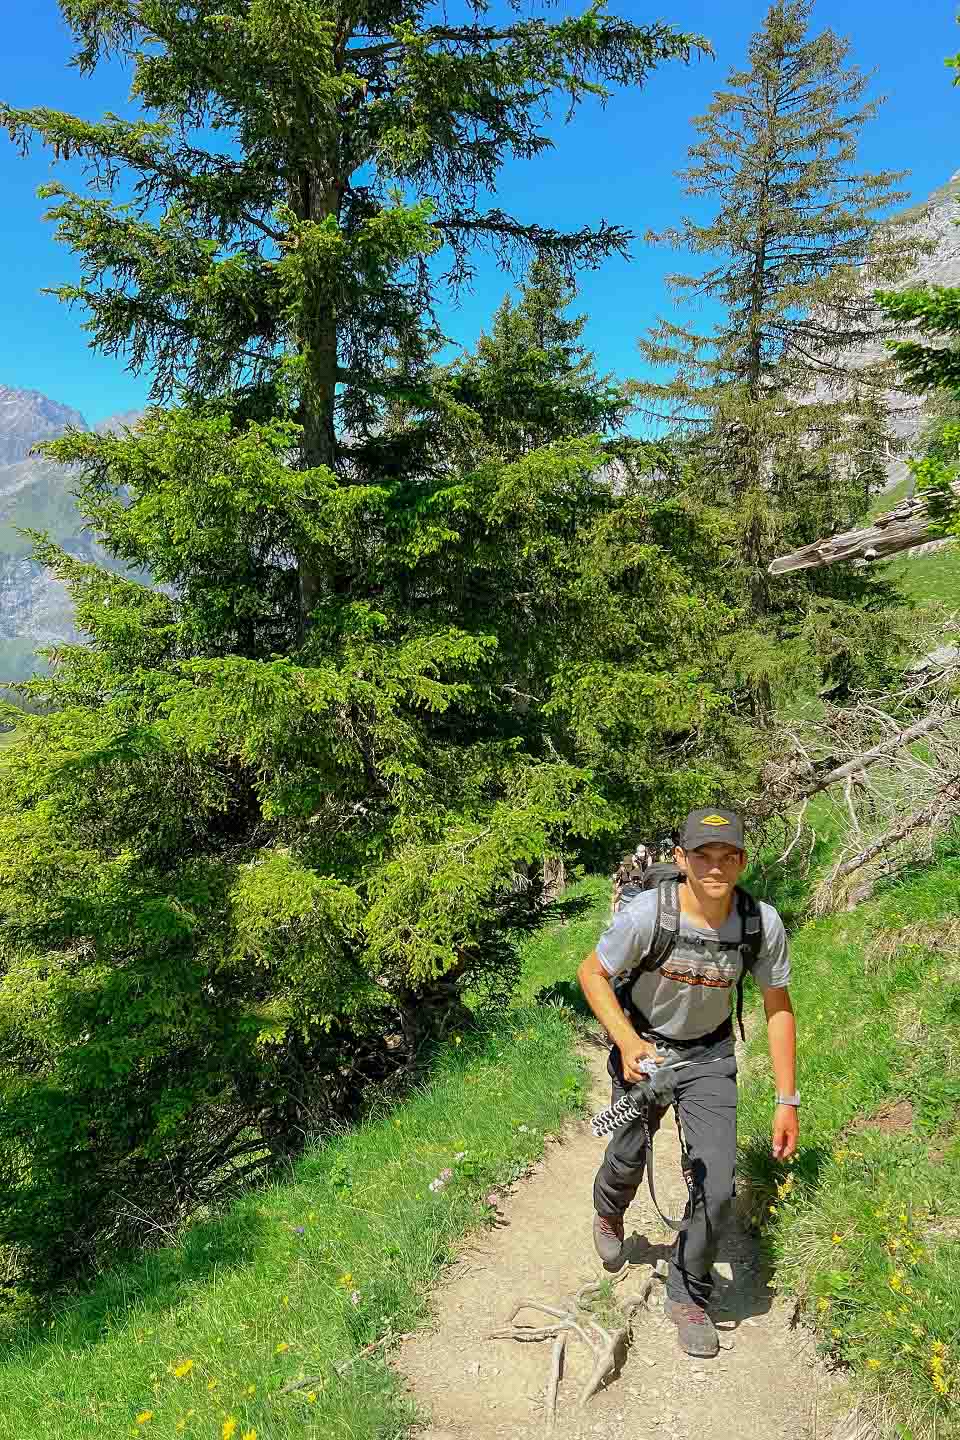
793	1099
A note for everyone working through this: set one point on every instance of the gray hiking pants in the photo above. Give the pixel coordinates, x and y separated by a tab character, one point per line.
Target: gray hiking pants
707	1099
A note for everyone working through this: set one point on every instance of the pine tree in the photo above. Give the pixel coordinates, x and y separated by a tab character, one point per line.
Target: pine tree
792	427
278	223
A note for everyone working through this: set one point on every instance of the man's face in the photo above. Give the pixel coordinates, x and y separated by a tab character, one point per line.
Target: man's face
713	869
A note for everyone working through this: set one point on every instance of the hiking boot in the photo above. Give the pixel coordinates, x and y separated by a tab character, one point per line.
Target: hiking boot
696	1332
608	1239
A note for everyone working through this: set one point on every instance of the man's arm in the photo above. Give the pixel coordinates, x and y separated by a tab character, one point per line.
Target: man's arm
782	1040
598	993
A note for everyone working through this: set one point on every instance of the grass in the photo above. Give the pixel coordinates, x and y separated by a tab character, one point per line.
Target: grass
934	576
200	1337
863	1227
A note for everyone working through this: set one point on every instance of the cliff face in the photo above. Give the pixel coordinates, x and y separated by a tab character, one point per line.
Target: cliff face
938	220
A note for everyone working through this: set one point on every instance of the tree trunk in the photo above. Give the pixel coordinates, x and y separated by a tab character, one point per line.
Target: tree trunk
316	201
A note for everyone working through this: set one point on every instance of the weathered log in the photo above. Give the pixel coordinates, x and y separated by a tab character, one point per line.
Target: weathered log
906	526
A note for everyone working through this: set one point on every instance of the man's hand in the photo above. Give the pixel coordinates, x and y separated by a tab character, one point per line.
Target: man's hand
632	1052
786	1131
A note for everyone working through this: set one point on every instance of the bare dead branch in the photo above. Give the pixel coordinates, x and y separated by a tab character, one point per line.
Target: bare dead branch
920	819
553	1380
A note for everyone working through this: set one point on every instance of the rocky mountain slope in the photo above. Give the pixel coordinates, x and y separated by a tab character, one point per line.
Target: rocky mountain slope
35	494
938	220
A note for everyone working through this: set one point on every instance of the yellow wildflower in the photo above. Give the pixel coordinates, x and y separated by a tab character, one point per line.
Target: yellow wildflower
836	1334
873	1364
282	1347
837	1238
212	1384
180	1425
904	1218
889	1316
312	1397
896	1280
181	1370
940	1385
229	1428
938	1347
823	1303
346	1281
936	1362
772	1209
917	1330
144	1417
249	1435
285	1301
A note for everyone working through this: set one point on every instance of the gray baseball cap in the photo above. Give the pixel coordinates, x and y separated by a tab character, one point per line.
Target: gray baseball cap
712	827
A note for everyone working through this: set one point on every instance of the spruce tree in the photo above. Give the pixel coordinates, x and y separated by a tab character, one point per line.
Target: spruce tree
277	219
792	425
530	380
270	830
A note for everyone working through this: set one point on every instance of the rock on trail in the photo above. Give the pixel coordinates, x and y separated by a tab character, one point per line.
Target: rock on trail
765	1382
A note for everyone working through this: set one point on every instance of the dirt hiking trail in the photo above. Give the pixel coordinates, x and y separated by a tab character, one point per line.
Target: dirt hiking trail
764	1385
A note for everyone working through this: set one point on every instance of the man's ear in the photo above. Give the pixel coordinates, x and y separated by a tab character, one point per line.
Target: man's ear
679	858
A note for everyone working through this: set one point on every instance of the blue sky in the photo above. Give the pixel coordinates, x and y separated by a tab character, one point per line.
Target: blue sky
616	164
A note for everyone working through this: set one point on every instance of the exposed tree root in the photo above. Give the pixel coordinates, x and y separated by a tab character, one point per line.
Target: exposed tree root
574	1318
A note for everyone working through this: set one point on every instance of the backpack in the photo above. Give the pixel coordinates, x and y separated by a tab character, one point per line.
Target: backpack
667	879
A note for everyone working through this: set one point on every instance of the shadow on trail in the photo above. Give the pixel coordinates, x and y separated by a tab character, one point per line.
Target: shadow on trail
743	1297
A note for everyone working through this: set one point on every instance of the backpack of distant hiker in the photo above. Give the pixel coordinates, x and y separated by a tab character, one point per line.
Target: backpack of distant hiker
666	879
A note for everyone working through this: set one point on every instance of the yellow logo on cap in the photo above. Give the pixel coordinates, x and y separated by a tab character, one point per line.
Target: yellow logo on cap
714	820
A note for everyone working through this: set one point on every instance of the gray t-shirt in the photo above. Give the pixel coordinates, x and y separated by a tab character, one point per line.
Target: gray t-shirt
690	995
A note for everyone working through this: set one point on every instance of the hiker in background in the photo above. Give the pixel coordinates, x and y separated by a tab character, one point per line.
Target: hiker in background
628	881
677	953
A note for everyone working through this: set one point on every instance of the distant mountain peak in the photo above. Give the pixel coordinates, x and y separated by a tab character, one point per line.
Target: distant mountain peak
27	418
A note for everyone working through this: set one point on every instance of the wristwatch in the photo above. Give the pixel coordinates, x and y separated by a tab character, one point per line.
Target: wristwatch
793	1099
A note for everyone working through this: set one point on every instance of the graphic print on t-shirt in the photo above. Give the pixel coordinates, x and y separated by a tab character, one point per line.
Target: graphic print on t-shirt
712	975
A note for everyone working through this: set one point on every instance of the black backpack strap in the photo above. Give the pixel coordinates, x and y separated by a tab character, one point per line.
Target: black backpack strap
666	930
751	919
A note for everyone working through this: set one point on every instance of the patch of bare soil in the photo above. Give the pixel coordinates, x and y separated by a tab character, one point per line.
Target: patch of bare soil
764	1385
890	1119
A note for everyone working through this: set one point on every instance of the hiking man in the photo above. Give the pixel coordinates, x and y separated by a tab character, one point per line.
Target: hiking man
693	929
628	881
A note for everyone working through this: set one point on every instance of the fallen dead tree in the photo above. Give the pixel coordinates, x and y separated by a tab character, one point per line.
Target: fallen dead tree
909	524
890	769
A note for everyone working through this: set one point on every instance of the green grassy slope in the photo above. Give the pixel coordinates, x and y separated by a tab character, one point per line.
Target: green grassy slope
934	576
200	1338
864	1227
